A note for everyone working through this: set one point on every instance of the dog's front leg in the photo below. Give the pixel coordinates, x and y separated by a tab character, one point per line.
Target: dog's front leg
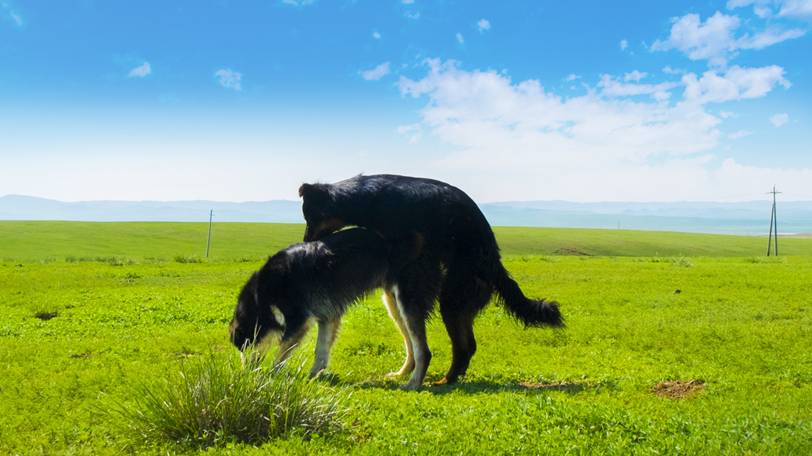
416	326
328	330
289	343
390	301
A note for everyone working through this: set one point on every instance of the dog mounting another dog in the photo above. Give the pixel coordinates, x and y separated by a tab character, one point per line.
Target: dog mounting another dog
421	240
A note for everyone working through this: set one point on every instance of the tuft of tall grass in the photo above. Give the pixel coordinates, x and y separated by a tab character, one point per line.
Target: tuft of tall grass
185	259
214	401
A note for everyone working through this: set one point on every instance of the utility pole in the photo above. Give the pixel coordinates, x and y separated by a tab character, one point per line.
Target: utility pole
773	223
208	241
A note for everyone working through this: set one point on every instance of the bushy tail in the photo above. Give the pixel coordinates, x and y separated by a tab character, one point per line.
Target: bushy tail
531	312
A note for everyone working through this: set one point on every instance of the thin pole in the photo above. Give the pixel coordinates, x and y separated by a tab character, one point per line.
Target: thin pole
211	215
770	239
775	216
773	224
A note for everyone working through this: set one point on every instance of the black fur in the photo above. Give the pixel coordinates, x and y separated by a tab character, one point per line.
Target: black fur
318	281
449	229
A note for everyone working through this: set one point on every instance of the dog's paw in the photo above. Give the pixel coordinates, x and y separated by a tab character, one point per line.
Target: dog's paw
396	374
316	372
446	380
411	386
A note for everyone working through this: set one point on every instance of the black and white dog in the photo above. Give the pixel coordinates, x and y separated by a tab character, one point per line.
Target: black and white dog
316	282
450	234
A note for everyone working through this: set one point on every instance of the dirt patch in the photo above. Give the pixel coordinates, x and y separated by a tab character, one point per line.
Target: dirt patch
678	389
571	251
45	316
563	386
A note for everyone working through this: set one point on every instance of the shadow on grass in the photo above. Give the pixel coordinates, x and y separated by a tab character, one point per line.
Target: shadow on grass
480	386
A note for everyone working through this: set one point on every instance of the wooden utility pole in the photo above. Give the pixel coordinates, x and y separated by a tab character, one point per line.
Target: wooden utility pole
208	241
773	223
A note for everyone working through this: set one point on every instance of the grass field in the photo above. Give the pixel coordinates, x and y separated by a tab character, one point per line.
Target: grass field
88	311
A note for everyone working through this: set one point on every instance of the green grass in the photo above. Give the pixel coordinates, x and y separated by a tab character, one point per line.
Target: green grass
215	401
186	242
738	322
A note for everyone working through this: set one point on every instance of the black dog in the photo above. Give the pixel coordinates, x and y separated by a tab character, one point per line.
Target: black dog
449	229
316	281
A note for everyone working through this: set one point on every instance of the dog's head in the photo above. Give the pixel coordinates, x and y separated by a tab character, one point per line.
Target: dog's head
256	317
320	211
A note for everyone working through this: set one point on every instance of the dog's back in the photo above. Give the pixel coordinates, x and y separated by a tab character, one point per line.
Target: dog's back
313	279
340	267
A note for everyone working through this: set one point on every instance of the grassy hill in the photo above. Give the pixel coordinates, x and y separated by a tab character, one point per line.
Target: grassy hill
35	241
662	354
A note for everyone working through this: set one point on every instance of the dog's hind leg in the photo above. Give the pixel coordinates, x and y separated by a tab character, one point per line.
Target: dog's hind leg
463	296
460	328
390	302
328	330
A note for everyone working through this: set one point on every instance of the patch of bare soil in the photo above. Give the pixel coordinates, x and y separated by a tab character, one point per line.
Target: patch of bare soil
45	316
678	389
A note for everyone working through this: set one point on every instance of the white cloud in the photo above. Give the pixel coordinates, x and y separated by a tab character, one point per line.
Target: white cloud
141	71
796	8
414	132
768	37
715	39
611	87
635	76
739	134
787	8
572	77
483	25
376	73
527	140
710	40
732	4
298	2
736	83
779	120
13	15
471	109
624	44
460	38
669	70
414	15
376	35
229	79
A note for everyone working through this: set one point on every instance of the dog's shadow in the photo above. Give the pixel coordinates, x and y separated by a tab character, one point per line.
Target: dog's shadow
480	386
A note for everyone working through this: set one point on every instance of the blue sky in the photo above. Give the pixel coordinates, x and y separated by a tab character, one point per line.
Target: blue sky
244	100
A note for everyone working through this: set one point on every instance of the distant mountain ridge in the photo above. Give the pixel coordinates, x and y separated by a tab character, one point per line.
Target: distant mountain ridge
750	217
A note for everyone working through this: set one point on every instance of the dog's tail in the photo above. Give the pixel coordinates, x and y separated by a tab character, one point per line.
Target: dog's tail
531	312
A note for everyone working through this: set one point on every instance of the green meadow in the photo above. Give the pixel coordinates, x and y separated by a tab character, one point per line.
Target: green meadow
675	344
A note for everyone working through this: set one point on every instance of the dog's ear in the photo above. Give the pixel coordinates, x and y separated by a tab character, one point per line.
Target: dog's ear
313	191
306	189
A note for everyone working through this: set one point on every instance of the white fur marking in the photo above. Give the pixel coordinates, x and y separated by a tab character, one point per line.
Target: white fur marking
389	301
278	315
417	351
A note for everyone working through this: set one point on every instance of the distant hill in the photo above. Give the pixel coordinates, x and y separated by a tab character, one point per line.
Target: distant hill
16	207
732	218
